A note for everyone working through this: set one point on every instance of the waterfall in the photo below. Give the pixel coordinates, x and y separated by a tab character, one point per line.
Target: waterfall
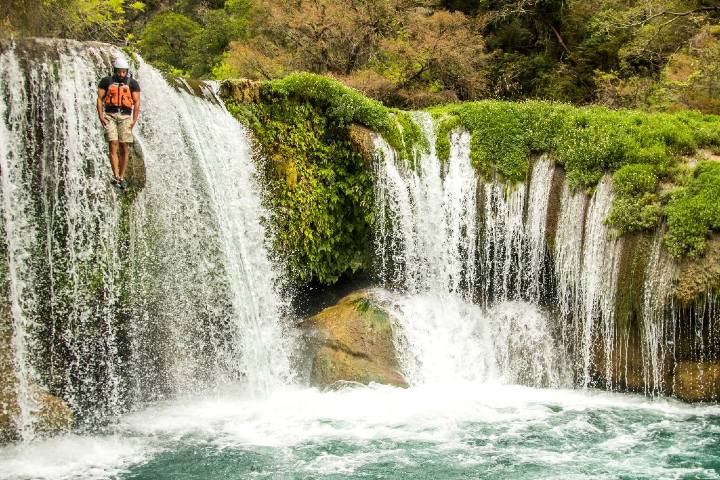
427	222
211	180
657	324
446	240
569	252
536	226
18	242
597	279
503	240
118	298
514	245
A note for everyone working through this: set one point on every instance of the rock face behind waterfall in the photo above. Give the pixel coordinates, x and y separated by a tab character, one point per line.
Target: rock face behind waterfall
352	341
116	298
51	415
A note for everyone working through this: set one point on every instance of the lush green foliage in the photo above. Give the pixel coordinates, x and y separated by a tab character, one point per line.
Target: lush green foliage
635	179
633	214
318	189
104	20
694	210
318	186
344	106
194	43
656	54
640	148
167	37
586	141
445	125
636	206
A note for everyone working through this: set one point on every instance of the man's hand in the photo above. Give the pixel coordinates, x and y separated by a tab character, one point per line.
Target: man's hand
103	120
132	124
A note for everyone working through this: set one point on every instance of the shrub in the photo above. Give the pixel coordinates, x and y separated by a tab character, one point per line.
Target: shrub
634	180
693	211
344	105
167	39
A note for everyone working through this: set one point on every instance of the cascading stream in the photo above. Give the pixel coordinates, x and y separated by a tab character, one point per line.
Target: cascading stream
117	298
598	279
442	255
657	327
431	245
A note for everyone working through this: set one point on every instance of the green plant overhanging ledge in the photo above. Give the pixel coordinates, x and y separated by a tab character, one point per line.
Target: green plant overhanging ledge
642	150
344	106
317	185
320	192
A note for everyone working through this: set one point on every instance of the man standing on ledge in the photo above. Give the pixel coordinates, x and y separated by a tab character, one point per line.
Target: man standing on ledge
118	98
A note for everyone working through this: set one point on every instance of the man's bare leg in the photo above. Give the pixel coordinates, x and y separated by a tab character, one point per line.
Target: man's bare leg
114	158
124	155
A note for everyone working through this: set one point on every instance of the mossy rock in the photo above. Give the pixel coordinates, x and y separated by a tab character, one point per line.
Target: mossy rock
697	381
241	90
362	138
353	343
52	415
135	173
697	276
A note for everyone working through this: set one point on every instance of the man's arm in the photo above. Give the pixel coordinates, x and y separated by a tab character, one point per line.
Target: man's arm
136	108
101	111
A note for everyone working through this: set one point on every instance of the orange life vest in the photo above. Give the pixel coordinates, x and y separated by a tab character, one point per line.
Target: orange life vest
118	95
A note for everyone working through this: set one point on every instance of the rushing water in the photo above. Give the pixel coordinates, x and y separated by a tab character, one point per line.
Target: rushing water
154	314
452	430
118	298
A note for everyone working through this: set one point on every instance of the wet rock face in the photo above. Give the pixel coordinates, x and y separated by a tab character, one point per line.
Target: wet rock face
136	167
241	90
363	141
352	341
696	276
697	381
52	414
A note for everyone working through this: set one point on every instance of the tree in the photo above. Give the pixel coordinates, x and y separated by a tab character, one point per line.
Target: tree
439	52
167	39
103	20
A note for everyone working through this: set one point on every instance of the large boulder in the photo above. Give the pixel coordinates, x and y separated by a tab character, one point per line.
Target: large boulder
352	341
51	415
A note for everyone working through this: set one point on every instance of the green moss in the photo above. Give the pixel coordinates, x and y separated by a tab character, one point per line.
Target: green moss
634	179
343	106
442	135
634	214
412	139
318	189
693	211
636	207
587	141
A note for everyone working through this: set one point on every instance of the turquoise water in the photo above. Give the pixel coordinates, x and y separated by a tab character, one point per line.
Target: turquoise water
433	431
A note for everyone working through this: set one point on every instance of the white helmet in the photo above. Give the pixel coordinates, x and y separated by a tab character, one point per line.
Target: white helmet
119	63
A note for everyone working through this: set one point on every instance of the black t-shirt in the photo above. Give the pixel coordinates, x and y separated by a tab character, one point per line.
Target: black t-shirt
105	84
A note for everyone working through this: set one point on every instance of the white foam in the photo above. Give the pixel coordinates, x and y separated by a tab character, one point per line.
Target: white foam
73	457
440	417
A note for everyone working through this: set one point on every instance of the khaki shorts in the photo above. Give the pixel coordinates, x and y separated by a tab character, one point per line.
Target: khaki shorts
117	128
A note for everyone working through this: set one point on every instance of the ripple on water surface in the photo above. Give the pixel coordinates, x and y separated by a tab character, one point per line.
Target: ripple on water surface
434	431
